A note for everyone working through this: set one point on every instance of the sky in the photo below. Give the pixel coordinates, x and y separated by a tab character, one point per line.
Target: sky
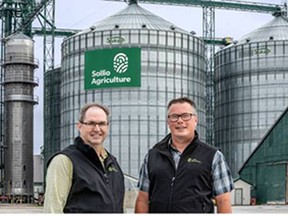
85	13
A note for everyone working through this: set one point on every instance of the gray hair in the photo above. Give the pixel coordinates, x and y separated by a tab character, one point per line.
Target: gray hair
87	106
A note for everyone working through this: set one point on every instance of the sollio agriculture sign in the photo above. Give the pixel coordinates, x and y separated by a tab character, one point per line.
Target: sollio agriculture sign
109	68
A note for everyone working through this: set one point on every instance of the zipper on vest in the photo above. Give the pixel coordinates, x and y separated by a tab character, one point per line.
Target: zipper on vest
106	178
171	193
172	182
113	198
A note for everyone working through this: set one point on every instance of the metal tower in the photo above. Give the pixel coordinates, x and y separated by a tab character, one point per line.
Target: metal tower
17	17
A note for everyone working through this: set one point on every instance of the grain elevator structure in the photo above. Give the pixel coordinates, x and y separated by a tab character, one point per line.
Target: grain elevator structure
251	83
19	82
160	62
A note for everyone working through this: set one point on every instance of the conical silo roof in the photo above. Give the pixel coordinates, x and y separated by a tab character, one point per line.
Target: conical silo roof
277	29
18	35
134	17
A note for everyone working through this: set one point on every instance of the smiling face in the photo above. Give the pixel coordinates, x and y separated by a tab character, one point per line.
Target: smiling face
94	134
182	129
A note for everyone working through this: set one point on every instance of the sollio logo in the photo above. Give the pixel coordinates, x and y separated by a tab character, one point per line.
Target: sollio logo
193	160
120	63
109	68
112	169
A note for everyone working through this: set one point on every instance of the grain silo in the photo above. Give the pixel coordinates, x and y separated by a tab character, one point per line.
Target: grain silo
19	82
251	85
52	112
168	62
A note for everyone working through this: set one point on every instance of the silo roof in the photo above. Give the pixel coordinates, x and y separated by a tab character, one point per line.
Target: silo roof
277	29
134	17
18	35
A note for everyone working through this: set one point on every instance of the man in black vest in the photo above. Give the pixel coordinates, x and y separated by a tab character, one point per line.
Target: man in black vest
85	177
181	174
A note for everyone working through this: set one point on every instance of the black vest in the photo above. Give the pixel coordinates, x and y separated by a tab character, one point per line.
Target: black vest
188	189
93	190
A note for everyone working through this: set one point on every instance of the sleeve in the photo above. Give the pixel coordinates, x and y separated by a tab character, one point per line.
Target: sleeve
58	184
222	178
143	183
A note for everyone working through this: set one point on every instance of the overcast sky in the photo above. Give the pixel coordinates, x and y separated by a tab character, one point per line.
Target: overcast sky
85	13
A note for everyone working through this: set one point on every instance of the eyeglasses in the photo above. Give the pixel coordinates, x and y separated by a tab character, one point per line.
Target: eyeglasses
93	124
184	117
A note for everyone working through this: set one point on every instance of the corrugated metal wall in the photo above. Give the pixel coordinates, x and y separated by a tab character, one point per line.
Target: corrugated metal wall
267	167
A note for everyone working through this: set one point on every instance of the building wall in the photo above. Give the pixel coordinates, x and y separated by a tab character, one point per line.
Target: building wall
38	164
241	195
267	166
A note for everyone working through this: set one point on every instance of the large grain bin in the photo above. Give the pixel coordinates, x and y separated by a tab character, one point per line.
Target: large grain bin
172	64
52	113
251	85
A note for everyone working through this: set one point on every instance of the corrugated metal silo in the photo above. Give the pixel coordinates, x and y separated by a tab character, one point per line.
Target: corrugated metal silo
251	85
172	65
19	83
52	113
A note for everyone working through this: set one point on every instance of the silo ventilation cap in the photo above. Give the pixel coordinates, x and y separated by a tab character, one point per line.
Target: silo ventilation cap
131	2
172	27
92	28
192	32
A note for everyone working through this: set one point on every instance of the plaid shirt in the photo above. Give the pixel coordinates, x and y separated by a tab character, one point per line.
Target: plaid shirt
222	179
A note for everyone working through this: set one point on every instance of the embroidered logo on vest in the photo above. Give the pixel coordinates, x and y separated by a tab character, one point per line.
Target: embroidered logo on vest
193	160
112	169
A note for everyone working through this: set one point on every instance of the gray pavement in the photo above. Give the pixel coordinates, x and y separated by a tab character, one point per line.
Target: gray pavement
20	208
269	209
34	209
